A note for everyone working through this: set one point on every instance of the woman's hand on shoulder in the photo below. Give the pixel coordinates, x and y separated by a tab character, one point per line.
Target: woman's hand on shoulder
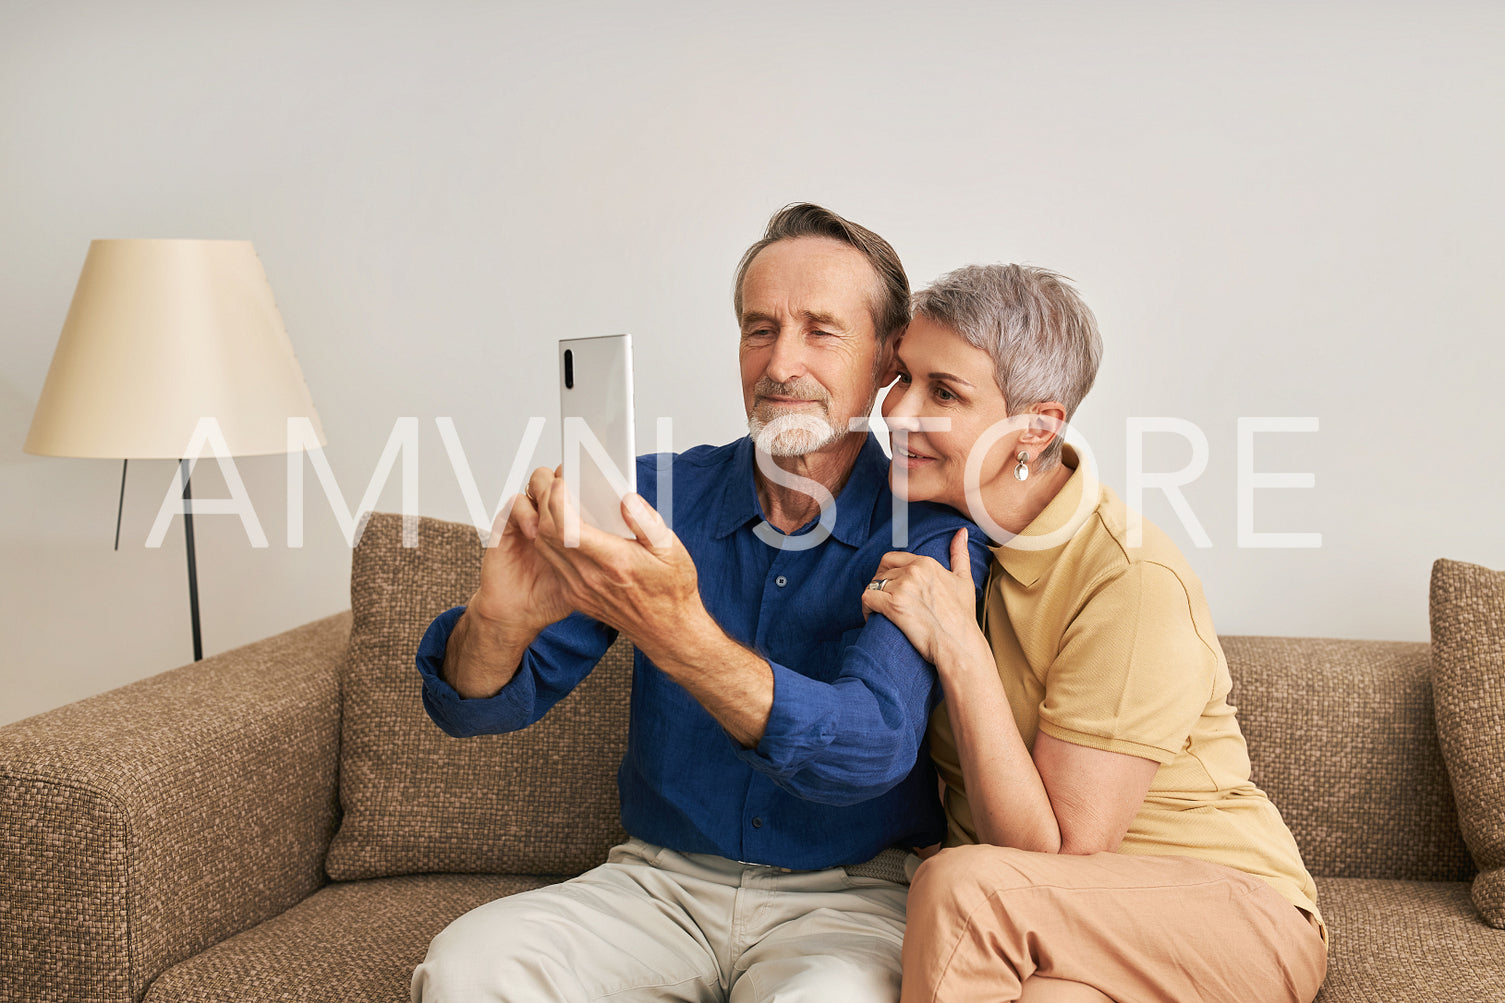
933	605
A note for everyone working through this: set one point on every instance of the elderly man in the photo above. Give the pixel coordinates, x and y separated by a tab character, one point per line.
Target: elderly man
773	781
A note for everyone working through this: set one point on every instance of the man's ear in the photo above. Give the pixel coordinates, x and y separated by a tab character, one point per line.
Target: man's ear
1046	421
886	366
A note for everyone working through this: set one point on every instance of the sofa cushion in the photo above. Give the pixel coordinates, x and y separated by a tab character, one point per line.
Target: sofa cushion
358	942
1407	940
348	943
1468	678
539	801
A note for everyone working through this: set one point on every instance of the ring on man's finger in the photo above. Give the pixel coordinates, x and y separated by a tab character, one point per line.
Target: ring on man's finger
877	584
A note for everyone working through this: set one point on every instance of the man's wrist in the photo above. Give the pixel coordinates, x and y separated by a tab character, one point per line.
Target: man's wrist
501	625
483	654
683	648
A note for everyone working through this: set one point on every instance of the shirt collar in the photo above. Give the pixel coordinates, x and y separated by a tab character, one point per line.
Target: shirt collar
1027	556
854	505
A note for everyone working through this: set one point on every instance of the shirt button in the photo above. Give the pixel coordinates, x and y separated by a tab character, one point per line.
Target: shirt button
757	823
781	581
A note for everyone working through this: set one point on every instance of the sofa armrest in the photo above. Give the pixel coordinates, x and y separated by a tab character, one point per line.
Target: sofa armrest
143	825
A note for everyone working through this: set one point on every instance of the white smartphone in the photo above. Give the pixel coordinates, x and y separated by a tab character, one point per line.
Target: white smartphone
595	411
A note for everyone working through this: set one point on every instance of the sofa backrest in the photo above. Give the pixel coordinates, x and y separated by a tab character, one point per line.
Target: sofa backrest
1342	737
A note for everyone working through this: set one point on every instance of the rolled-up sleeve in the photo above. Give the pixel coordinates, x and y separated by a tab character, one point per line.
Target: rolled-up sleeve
563	654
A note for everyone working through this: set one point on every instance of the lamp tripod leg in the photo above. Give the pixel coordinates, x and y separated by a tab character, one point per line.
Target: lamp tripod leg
120	511
193	576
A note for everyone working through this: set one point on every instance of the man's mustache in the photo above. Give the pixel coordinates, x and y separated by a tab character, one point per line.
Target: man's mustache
798	389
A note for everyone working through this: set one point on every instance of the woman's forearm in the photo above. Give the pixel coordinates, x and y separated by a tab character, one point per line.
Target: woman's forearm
1010	806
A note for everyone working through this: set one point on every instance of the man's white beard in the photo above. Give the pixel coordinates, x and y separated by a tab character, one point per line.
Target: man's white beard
793	434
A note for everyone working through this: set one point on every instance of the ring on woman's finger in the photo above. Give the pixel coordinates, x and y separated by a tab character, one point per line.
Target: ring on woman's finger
877	584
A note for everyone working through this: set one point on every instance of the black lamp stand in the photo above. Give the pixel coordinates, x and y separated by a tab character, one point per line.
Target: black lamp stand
193	574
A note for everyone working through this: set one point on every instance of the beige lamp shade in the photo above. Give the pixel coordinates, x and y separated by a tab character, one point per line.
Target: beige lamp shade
160	334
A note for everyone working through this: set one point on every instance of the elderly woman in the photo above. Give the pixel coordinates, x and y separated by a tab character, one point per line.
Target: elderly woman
1105	840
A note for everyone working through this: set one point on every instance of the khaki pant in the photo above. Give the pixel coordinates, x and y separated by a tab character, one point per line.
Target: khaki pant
654	924
990	923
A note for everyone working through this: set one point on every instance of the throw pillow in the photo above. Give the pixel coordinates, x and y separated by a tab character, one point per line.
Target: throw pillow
1468	680
539	801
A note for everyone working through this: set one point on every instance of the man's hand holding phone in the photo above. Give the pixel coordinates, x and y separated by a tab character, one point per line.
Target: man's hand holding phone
520	594
648	588
519	587
645	587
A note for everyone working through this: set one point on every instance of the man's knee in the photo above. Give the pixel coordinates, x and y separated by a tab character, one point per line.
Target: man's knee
458	965
573	941
482	957
821	979
448	972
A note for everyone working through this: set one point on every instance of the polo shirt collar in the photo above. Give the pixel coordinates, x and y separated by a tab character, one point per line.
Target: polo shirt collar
1062	517
854	505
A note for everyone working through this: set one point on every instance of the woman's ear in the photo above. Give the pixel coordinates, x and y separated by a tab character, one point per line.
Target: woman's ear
1046	421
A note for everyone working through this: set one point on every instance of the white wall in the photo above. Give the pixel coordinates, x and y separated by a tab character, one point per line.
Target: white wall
1275	209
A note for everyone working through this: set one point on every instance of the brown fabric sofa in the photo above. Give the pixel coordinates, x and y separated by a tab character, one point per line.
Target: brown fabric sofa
175	839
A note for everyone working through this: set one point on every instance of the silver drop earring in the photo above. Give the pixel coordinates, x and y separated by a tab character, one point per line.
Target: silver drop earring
1021	470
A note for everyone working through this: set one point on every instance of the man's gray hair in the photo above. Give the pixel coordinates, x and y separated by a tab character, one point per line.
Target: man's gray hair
1040	332
890	305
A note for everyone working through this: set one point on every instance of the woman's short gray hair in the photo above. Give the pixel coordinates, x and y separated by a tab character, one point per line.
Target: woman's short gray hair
1040	332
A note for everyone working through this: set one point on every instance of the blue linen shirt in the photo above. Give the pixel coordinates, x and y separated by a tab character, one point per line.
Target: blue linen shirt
841	771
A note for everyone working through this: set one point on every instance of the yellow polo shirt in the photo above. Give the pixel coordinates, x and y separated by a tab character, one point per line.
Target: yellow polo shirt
1112	647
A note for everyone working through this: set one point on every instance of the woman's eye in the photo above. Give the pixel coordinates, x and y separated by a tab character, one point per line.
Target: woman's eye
943	394
904	378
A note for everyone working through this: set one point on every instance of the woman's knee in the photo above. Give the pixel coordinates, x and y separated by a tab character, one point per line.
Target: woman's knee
963	877
1040	989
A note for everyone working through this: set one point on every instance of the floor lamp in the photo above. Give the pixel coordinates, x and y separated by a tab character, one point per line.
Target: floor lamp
162	333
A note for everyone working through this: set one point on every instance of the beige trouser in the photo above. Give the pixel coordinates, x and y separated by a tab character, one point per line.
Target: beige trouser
654	924
990	923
